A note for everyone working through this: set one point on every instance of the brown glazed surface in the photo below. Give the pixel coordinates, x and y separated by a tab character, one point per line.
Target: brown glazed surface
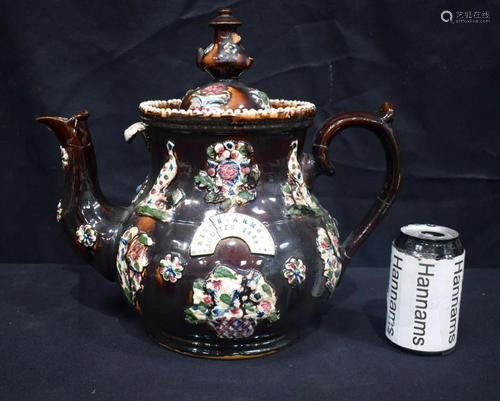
233	63
182	152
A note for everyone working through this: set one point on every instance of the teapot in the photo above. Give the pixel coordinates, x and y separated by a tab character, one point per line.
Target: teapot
224	250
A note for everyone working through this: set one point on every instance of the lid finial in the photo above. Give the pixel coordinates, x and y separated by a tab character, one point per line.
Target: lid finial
224	59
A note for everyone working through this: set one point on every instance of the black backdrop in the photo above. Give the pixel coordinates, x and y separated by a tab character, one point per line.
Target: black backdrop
108	56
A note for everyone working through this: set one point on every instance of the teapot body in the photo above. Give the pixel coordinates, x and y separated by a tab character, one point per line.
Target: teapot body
225	245
224	250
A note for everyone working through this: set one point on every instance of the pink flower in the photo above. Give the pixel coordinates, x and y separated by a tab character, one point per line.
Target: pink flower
266	306
217	285
160	204
213	89
207	300
136	250
245	170
234	154
211	172
228	172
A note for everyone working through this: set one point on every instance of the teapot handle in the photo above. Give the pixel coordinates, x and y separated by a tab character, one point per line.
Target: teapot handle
380	124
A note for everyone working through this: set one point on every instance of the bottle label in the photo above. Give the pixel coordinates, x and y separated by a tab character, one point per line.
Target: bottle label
423	302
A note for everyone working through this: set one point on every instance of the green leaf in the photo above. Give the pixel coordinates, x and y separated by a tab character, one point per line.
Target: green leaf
223	272
317	211
267	289
203	307
203	180
211	152
295	211
191	317
128	294
250	307
153	212
198	284
273	317
212	197
243	150
247	195
144	240
226	204
226	299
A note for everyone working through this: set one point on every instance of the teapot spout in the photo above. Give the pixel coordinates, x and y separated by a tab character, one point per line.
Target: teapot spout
88	219
71	131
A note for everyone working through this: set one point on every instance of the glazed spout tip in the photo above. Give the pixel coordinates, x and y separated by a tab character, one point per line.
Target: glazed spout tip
72	130
50	120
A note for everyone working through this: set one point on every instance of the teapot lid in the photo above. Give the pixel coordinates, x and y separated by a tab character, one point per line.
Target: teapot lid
226	102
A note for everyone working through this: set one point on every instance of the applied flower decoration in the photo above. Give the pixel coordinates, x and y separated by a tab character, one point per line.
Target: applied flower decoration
230	178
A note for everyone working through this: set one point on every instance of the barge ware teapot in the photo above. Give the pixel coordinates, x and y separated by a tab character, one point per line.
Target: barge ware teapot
224	251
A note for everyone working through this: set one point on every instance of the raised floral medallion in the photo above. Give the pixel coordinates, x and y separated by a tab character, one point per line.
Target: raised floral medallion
86	235
295	191
160	203
230	177
294	271
209	97
131	261
327	242
170	268
233	304
59	211
64	157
